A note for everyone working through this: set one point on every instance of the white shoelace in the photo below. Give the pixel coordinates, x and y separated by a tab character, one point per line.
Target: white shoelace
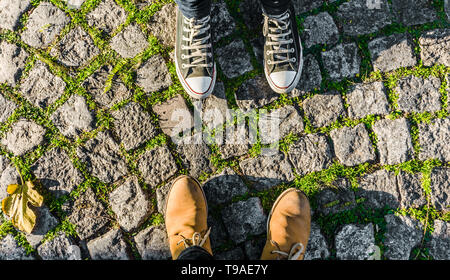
196	239
292	255
278	36
196	42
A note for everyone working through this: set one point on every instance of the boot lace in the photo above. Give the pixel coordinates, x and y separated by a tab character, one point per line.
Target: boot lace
197	42
195	240
279	34
292	255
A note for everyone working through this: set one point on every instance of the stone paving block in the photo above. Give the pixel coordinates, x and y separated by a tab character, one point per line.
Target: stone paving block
195	155
410	189
279	123
156	166
352	146
392	52
244	218
340	197
23	137
311	77
233	59
440	241
419	95
41	88
43	25
74	4
45	222
222	24
163	24
56	173
435	47
231	255
413	12
218	235
174	116
342	61
153	244
324	109
107	16
111	246
317	248
133	125
447	9
11	250
440	189
355	242
302	6
367	99
267	171
310	153
96	84
88	215
73	117
234	141
379	189
402	235
393	141
129	42
130	204
162	194
12	60
251	11
253	248
8	176
434	140
153	75
221	188
11	11
59	248
215	108
103	158
320	29
75	49
360	17
7	108
255	93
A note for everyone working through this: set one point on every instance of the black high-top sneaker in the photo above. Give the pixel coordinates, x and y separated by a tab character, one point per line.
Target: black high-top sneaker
194	57
283	53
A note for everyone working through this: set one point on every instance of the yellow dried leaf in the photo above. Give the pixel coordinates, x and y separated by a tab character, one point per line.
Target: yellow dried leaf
16	205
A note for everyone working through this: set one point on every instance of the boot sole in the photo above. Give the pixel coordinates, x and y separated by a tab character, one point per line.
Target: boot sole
296	79
186	87
173	183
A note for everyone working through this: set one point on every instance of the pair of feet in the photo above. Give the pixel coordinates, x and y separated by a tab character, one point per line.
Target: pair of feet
288	224
194	55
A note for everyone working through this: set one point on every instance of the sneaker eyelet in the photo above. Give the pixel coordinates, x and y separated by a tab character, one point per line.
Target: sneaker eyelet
183	66
267	52
294	59
292	50
269	62
183	56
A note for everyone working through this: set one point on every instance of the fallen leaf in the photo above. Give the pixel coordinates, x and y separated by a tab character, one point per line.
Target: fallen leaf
16	205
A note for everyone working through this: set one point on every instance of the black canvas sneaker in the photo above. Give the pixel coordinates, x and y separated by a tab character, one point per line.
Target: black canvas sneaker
194	57
283	53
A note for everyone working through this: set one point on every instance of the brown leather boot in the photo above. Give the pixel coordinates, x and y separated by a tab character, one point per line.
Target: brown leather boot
186	214
288	227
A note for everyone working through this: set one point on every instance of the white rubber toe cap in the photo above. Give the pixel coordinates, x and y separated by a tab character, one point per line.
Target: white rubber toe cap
283	79
199	85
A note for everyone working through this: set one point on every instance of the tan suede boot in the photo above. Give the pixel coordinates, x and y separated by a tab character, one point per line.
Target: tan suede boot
288	227
186	214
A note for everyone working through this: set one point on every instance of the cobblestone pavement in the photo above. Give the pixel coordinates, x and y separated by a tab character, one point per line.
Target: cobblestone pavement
87	95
